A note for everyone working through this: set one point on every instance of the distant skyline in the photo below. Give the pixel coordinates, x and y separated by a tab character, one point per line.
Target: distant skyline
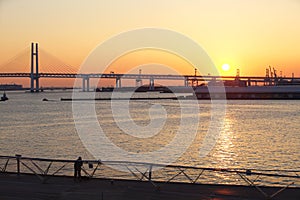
248	35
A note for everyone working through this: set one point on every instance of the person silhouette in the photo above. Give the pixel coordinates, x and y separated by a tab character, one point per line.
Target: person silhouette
77	169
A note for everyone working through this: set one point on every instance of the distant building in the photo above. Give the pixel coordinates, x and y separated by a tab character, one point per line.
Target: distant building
11	87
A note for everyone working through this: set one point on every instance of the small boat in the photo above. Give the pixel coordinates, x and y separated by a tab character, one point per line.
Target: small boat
4	97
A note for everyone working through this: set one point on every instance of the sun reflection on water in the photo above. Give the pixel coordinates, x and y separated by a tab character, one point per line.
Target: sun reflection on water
224	153
225	149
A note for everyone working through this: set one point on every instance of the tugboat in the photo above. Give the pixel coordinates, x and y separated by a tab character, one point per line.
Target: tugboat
4	97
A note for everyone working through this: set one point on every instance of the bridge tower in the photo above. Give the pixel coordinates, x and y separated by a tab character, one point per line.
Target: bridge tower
34	76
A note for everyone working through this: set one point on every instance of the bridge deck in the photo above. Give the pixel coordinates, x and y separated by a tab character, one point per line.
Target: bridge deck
141	76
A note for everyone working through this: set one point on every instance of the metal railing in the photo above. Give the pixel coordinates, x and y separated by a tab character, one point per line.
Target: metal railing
45	168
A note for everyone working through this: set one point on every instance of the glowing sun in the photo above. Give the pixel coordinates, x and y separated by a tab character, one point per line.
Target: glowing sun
225	67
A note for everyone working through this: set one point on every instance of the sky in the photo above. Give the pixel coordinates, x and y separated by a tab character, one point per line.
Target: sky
249	35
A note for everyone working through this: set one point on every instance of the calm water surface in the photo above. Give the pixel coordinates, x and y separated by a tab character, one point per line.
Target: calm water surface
255	134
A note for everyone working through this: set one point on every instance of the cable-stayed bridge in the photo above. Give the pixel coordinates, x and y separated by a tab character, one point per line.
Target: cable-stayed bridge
53	67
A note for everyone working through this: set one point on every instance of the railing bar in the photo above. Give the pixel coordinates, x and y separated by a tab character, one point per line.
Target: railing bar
5	166
48	177
252	184
95	169
47	170
38	167
132	172
83	169
256	178
191	180
196	179
143	174
282	189
33	172
174	176
59	169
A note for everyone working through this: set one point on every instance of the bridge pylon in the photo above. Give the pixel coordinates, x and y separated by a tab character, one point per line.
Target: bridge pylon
34	76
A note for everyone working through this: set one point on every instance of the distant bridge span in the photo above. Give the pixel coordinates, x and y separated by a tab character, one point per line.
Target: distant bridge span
192	80
135	76
151	77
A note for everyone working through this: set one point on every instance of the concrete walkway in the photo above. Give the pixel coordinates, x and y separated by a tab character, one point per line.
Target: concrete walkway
30	187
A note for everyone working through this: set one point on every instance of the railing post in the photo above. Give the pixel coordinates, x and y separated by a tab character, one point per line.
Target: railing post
18	157
150	173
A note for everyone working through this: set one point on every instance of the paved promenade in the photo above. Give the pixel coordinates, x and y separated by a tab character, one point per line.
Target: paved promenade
30	187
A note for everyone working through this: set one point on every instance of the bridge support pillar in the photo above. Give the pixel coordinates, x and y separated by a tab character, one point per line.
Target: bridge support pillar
118	82
138	82
151	84
83	84
186	82
86	84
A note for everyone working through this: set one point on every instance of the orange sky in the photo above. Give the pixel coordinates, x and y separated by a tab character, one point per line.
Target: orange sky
246	34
